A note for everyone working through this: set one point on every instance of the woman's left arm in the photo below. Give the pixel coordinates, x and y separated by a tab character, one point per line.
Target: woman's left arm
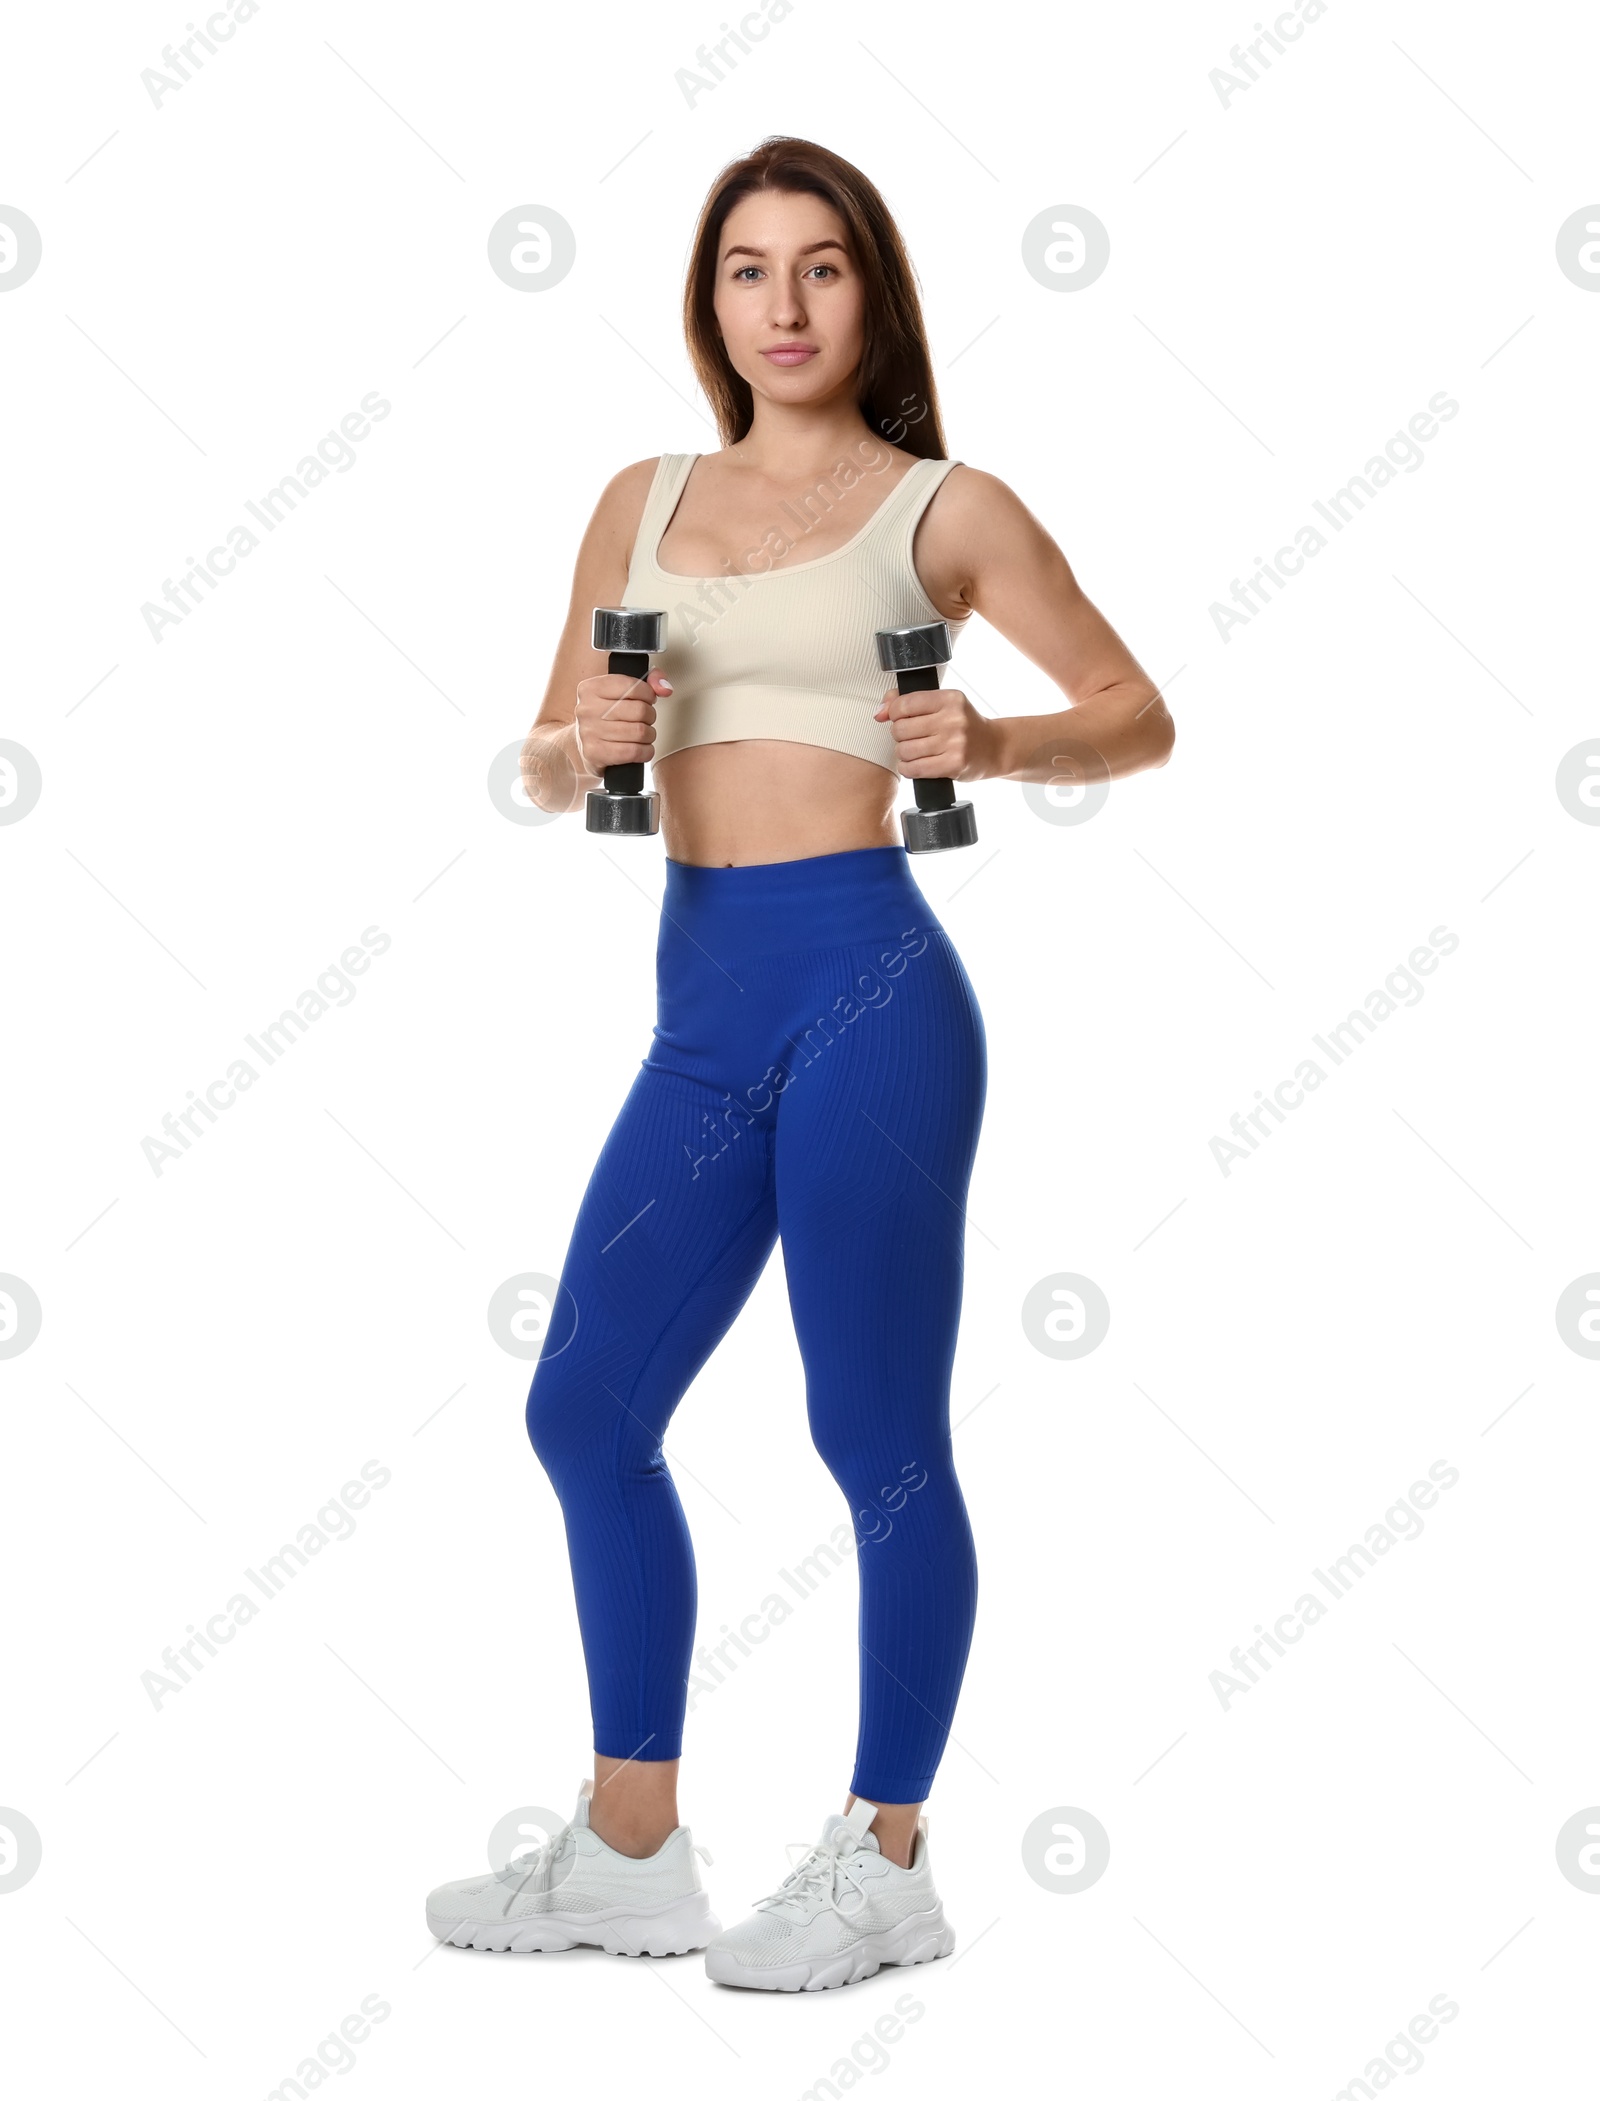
978	545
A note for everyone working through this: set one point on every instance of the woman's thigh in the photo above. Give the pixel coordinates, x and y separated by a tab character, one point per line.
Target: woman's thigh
877	1130
676	1224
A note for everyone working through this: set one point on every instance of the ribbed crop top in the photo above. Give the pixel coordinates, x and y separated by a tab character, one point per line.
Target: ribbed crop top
784	652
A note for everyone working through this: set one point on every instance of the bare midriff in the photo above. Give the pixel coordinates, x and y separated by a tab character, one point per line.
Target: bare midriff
759	799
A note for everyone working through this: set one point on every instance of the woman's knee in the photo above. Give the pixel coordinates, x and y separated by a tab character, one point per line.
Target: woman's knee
551	1418
576	1424
886	1487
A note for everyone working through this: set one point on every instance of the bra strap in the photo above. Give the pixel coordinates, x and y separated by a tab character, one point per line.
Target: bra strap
912	495
671	473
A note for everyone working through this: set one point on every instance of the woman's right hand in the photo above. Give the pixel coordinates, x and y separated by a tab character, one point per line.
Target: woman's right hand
616	719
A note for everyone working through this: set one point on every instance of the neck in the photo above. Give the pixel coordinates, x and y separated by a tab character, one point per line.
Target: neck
786	443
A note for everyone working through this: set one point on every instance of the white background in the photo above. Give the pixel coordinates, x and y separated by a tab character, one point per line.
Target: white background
1292	1344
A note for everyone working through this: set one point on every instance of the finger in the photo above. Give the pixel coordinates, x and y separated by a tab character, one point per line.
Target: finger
620	685
932	753
901	705
921	737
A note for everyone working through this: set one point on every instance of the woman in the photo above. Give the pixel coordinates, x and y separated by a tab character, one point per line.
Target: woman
818	1064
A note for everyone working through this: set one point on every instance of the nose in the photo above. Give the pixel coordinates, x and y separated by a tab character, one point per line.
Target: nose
786	308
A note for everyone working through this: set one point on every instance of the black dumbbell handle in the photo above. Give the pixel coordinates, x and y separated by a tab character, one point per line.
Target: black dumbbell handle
934	794
628	778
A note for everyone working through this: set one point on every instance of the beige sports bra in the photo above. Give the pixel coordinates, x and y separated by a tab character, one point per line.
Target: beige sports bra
785	652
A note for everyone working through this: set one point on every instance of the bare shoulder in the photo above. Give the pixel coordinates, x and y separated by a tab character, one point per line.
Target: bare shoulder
972	521
632	480
977	502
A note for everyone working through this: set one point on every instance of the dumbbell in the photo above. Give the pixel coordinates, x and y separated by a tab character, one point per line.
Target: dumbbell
917	655
623	807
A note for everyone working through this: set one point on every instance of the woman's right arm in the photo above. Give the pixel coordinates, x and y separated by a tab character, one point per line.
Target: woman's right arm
592	718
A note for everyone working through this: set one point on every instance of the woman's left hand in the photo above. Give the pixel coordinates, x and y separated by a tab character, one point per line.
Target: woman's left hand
938	735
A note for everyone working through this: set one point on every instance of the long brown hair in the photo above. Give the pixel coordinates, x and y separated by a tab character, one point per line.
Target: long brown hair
894	383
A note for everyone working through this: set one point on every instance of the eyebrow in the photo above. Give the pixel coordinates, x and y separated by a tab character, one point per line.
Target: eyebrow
812	250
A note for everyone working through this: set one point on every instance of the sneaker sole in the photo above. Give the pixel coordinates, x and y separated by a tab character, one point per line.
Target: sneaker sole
679	1928
923	1937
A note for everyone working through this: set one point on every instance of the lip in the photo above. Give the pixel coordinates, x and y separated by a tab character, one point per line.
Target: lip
789	353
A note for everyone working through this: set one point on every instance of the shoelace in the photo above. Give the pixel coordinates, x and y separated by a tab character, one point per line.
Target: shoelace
529	1874
819	1876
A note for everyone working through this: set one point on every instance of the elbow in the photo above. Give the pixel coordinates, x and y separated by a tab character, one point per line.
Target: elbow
1158	731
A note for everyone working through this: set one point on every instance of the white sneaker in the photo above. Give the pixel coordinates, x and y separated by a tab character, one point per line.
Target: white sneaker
837	1916
575	1891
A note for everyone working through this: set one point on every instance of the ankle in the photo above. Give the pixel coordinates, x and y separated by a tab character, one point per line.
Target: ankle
895	1829
635	1838
633	1804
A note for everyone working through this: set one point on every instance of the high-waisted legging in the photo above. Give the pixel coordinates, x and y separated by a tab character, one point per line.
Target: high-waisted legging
817	1070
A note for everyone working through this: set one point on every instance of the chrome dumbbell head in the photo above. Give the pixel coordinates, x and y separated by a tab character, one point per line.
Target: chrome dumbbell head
625	627
914	648
935	831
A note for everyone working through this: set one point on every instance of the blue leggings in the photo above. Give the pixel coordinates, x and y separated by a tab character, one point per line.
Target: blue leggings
817	1069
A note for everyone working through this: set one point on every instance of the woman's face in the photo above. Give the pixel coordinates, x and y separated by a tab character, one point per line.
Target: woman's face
785	277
